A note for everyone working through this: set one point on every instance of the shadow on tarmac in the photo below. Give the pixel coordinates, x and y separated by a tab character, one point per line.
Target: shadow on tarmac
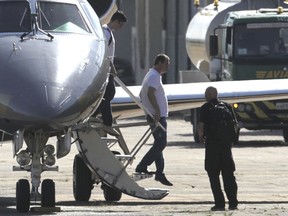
8	205
241	144
155	203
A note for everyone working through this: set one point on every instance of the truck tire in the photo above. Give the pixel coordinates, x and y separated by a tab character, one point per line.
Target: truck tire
236	140
195	134
194	121
285	134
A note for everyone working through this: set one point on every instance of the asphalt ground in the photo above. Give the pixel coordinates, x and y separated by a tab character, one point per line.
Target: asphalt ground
261	163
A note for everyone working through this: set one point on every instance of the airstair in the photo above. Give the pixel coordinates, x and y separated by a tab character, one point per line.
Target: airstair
108	167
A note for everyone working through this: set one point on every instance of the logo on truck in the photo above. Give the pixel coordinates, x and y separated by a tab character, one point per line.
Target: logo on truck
271	74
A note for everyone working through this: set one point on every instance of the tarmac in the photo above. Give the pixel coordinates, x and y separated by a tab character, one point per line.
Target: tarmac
261	173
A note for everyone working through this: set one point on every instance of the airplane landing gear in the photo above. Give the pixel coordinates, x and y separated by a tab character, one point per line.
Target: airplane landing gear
37	158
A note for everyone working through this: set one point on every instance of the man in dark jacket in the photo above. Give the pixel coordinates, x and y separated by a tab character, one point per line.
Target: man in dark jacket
218	154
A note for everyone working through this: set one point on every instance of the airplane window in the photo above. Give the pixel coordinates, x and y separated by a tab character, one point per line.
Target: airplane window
14	17
61	17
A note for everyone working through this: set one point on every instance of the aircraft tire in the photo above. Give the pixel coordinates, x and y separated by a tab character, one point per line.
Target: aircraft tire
110	194
48	193
23	195
82	180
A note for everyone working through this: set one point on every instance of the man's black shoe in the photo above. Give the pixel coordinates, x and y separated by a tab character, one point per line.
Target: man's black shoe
217	208
233	208
163	180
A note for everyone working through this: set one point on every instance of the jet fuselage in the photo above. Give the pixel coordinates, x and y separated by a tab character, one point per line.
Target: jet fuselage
53	64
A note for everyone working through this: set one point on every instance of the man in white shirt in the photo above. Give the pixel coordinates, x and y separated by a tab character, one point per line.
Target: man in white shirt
154	99
116	22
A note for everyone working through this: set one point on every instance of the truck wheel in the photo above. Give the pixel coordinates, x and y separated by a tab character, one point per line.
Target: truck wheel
194	121
23	195
236	140
285	134
195	134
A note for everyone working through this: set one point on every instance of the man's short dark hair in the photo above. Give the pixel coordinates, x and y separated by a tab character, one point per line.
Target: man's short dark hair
161	58
120	16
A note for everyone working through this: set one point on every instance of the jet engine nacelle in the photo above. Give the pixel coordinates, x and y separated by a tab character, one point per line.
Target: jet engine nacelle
104	9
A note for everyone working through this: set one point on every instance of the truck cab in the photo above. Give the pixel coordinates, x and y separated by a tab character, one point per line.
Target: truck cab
254	45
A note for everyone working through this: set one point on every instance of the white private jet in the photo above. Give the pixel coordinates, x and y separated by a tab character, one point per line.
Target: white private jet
54	69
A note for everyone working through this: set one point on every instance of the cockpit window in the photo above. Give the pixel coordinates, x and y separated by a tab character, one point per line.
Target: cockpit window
14	16
61	17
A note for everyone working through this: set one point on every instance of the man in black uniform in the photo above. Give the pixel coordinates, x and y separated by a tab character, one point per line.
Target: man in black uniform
218	154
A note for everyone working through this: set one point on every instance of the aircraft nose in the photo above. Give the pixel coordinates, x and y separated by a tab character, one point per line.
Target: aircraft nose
56	97
43	101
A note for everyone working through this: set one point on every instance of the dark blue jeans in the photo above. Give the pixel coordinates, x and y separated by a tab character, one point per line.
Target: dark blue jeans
155	153
105	105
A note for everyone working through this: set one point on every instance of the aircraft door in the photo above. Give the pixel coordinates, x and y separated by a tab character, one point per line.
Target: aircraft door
104	9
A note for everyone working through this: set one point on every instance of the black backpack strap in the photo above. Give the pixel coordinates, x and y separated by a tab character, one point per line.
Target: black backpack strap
231	111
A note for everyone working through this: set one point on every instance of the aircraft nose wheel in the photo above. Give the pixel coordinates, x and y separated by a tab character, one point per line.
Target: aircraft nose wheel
48	193
22	195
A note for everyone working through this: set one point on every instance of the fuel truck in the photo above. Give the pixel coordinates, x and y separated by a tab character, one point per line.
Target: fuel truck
243	40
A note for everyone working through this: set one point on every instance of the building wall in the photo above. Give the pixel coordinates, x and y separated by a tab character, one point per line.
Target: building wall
154	27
